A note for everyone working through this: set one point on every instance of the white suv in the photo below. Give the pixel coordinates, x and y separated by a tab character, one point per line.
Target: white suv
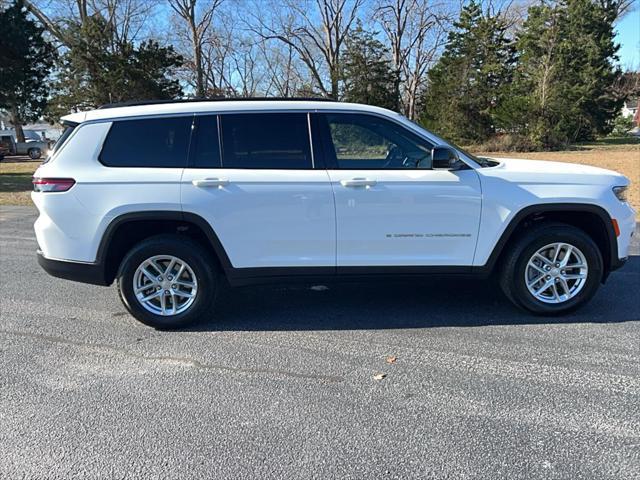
169	199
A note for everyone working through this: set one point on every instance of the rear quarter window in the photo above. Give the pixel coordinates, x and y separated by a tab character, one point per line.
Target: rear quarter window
155	142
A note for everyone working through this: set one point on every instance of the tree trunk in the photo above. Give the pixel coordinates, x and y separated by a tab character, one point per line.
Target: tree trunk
335	78
17	125
197	57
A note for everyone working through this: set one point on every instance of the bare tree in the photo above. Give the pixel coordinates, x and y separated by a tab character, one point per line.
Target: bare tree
126	19
187	10
622	7
416	31
282	70
316	31
233	58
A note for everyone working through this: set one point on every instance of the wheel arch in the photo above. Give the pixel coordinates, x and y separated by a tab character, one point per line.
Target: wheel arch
592	219
130	228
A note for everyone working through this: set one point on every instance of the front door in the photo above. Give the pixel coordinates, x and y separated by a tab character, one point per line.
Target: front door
257	186
392	209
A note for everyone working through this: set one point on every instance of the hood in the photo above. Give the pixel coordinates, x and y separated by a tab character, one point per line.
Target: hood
534	171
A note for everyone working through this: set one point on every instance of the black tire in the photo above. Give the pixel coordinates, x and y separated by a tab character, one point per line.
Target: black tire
34	153
199	260
512	274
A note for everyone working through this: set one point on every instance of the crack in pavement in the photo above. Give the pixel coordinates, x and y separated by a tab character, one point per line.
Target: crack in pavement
188	362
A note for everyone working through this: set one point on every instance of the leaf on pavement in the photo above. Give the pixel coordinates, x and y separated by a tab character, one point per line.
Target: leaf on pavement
319	288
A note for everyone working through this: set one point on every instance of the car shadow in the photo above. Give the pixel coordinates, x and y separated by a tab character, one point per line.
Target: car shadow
424	303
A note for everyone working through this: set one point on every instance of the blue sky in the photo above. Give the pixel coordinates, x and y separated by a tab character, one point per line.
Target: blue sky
629	40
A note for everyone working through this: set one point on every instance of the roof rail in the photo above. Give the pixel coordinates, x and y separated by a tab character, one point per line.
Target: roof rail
134	103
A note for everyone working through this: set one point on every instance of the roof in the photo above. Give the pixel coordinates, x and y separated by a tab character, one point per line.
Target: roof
177	108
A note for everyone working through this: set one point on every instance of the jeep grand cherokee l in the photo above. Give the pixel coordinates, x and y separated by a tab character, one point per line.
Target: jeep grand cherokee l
171	199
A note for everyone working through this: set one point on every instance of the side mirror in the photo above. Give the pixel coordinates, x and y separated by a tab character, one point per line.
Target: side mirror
444	157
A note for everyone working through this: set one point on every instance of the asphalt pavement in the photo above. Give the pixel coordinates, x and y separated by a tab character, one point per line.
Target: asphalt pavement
281	381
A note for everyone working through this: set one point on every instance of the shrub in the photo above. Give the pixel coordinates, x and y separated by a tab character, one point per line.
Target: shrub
621	126
509	143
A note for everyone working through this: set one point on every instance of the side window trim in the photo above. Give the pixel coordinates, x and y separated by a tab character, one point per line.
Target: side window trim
219	127
313	159
317	141
328	151
196	128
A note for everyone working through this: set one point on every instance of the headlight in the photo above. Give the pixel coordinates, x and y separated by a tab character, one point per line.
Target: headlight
621	193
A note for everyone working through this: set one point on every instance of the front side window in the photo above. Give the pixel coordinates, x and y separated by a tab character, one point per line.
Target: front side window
265	140
358	141
154	142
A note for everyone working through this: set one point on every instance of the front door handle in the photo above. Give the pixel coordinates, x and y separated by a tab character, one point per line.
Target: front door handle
210	182
358	182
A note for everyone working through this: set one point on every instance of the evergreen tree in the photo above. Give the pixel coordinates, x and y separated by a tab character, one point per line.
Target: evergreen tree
367	71
564	88
26	60
99	69
471	78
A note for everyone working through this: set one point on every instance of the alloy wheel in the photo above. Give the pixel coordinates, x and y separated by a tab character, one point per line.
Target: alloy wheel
165	285
556	273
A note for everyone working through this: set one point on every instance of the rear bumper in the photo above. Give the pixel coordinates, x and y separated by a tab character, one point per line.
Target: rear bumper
92	273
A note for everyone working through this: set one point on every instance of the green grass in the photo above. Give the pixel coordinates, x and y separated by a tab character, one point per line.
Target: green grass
609	142
15	182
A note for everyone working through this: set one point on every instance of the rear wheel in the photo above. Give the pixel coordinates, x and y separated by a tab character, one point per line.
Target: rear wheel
552	269
168	282
34	153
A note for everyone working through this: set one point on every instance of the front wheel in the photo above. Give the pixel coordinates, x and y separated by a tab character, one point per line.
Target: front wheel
552	269
168	282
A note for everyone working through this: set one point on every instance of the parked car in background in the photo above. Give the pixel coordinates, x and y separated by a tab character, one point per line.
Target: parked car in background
35	148
4	151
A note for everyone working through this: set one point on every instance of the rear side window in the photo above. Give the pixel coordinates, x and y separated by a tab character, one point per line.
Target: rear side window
266	140
155	142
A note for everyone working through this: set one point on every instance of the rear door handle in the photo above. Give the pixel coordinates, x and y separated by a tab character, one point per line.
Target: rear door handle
358	182
210	182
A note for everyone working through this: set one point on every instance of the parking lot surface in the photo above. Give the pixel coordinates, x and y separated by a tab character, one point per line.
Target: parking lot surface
279	383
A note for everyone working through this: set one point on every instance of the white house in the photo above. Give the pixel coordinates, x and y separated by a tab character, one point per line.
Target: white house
630	108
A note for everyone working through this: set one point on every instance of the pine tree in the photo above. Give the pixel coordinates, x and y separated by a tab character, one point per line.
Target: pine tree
564	87
368	75
471	78
99	69
26	60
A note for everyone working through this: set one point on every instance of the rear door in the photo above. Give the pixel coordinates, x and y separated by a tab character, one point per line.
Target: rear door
392	209
253	177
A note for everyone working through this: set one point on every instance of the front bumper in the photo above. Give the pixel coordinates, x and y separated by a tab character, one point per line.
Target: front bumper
618	263
92	273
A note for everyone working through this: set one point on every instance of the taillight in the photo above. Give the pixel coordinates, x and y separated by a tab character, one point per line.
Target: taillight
52	184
